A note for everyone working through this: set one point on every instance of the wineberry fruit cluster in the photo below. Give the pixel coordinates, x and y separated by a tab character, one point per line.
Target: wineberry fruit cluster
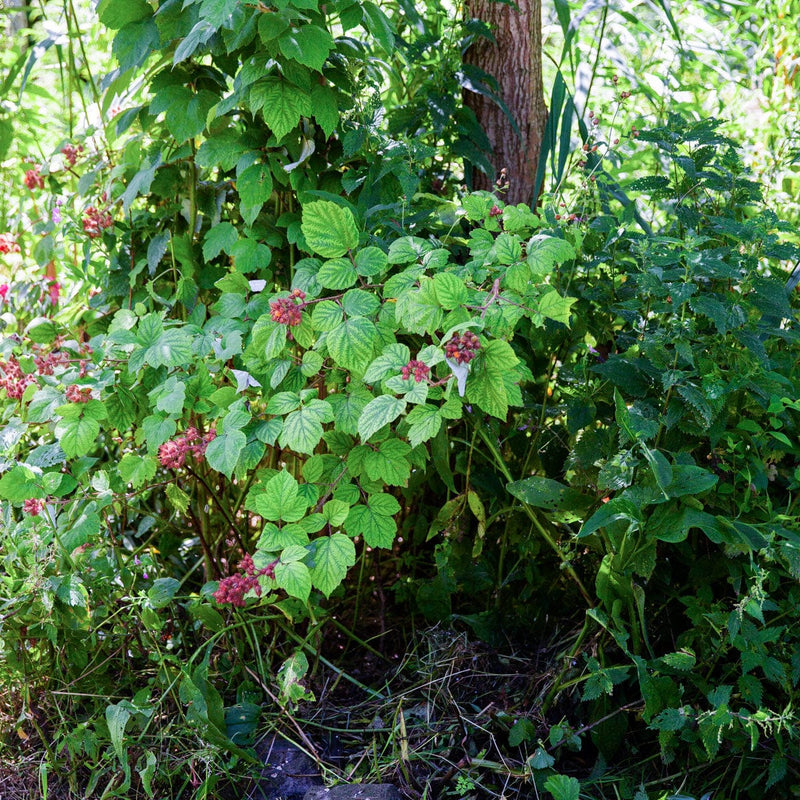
46	364
33	507
33	180
13	379
71	153
78	394
233	588
462	348
172	454
286	310
96	221
8	244
418	369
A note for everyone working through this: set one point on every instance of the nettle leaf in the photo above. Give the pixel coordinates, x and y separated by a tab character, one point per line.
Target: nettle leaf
329	229
137	469
381	411
308	44
281	103
352	343
334	555
223	452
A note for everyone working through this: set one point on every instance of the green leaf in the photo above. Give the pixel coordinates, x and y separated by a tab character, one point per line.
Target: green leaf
374	521
326	316
334	555
302	431
223	452
389	463
281	103
371	261
20	484
546	252
77	436
162	591
425	421
219	239
117	717
378	24
552	496
255	186
279	499
294	578
136	469
337	273
450	290
553	306
351	345
379	412
394	357
329	229
116	14
178	498
563	788
308	44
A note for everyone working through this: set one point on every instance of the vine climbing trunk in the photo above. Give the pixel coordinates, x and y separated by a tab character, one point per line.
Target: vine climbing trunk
514	61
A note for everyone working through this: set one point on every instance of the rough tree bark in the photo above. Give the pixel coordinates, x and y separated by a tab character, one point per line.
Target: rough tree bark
514	60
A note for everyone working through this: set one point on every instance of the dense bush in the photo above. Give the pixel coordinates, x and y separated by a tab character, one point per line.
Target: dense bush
294	352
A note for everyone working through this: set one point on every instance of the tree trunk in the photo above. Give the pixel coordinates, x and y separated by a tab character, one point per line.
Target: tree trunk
514	60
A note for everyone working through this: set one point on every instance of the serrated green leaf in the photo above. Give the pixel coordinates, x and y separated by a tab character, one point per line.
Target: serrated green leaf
281	103
546	252
220	238
389	463
381	411
137	469
352	343
334	555
425	421
178	498
450	290
295	578
552	305
302	431
77	436
308	44
222	454
329	229
337	273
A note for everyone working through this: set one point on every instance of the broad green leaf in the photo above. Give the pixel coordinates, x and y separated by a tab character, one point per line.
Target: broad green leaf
389	463
20	484
371	261
117	716
450	290
352	343
281	103
77	436
546	252
374	521
425	421
394	357
223	452
283	403
379	412
280	499
334	556
329	229
308	44
137	469
219	239
337	273
178	498
294	578
302	431
255	185
162	591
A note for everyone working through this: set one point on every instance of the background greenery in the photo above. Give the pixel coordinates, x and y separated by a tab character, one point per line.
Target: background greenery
565	558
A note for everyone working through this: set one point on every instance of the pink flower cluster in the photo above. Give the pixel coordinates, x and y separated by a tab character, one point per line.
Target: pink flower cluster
46	364
33	180
96	221
78	394
33	507
8	244
71	153
13	379
173	453
285	311
233	588
419	369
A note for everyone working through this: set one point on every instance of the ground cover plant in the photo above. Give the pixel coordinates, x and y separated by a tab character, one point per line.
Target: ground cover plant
297	426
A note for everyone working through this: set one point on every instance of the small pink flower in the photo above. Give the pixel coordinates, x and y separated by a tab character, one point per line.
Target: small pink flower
55	292
3	291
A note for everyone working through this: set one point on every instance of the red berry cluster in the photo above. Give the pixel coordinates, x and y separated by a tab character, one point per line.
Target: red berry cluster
233	588
285	310
8	244
95	221
78	394
496	211
418	369
33	180
462	349
71	153
173	453
13	379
